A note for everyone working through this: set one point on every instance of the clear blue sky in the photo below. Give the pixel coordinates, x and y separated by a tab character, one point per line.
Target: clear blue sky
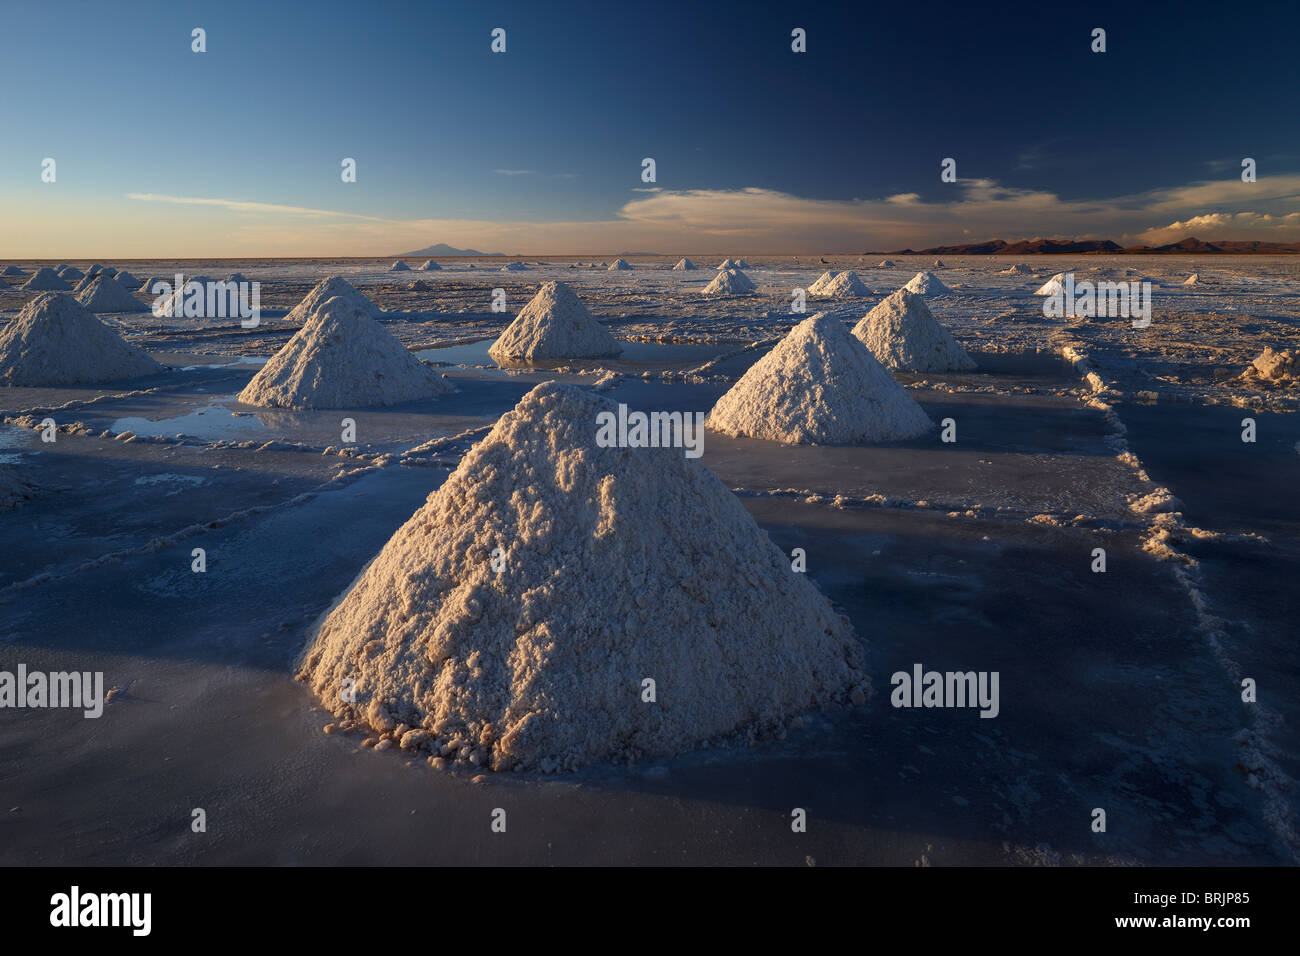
585	90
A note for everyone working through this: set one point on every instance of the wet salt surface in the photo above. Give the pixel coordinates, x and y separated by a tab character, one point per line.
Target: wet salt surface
1111	695
638	354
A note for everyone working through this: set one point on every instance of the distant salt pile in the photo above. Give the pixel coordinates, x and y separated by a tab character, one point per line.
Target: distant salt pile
94	270
72	274
1193	279
1019	269
46	280
540	667
822	386
12	271
1053	286
555	324
108	271
923	283
146	287
53	341
86	282
1274	368
728	264
342	358
331	288
514	267
174	304
399	266
845	285
419	285
235	277
903	334
821	282
938	264
742	264
126	280
619	264
430	266
730	282
107	295
684	265
887	264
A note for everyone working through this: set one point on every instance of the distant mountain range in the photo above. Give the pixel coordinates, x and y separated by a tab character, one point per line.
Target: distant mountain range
442	249
1031	247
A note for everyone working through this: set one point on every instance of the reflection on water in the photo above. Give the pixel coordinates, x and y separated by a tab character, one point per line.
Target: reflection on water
213	422
639	354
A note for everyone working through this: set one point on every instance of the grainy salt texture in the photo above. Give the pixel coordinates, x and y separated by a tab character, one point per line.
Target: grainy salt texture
54	341
903	333
618	564
819	385
106	294
555	324
730	282
399	266
1274	368
844	285
684	265
619	265
331	288
923	283
342	358
46	280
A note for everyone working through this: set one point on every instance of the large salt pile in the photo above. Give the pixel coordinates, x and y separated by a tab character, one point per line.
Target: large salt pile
844	285
684	265
46	280
619	566
924	283
331	288
903	333
821	282
619	264
514	267
54	341
86	282
820	385
730	282
1053	286
430	266
555	324
1274	368
12	271
342	358
399	266
107	295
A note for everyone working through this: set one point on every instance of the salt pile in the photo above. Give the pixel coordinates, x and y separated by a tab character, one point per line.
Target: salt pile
12	271
619	565
107	295
331	288
514	267
399	266
938	264
54	341
845	285
1193	279
887	264
174	304
903	333
555	324
742	264
342	358
108	271
95	270
85	283
126	280
431	266
419	285
923	283
619	264
684	265
234	277
1053	286
46	280
1274	368
821	282
730	282
1019	269
728	264
819	385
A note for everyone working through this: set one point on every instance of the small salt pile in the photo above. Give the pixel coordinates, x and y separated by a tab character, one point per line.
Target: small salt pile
1272	367
616	565
53	341
822	282
12	271
107	295
342	358
555	324
332	288
684	265
430	266
619	264
844	285
125	280
727	264
45	280
1193	279
822	386
399	266
903	334
1053	286
730	282
514	267
887	264
938	264
174	304
924	283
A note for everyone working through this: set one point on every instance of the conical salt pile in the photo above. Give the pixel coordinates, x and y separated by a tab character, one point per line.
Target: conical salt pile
684	265
624	572
431	266
107	295
903	333
1053	286
1193	279
322	292
108	271
821	386
742	264
399	266
924	283
822	282
727	264
886	264
619	264
730	282
845	285
342	358
555	324
12	271
1016	270
54	341
514	267
46	280
938	264
174	304
126	280
85	283
95	270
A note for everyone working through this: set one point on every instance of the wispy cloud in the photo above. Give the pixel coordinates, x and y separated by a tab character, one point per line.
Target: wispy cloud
516	172
246	206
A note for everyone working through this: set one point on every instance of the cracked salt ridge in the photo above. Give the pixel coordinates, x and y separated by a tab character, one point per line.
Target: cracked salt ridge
1258	748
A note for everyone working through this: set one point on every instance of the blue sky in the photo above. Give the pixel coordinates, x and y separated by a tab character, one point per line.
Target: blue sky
758	149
